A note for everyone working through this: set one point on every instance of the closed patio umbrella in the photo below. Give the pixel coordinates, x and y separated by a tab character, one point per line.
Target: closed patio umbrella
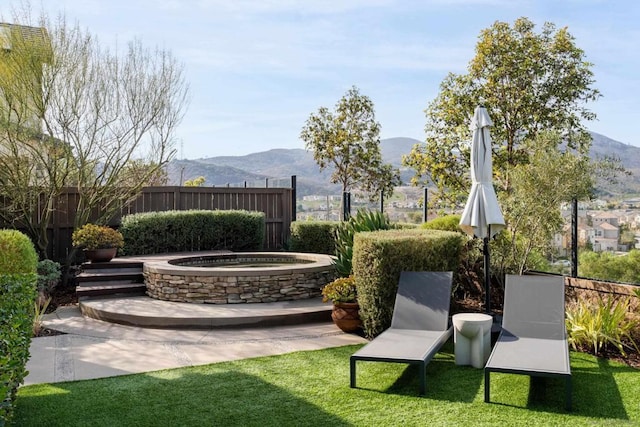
482	216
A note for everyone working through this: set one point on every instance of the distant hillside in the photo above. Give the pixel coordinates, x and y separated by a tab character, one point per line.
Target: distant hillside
277	163
282	163
629	157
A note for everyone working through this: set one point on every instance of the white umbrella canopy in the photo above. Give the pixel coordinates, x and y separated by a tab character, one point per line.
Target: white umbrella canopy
482	216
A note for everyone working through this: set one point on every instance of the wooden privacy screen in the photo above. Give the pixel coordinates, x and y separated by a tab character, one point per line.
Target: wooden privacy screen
276	203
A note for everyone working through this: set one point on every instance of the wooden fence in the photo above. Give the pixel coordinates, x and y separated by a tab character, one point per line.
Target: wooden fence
276	203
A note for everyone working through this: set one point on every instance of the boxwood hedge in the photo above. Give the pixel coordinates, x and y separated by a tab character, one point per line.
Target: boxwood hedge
193	230
380	256
18	263
313	237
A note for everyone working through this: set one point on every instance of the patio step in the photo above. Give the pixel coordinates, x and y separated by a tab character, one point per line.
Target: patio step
148	312
112	267
110	279
110	289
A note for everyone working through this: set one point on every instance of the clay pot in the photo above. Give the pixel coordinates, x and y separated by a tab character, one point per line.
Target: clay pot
100	255
346	317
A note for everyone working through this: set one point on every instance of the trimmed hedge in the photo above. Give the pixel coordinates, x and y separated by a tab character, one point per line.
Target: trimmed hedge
193	230
18	263
313	237
447	222
380	256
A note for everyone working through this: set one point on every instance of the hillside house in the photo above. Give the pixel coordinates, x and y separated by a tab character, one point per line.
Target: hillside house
606	237
603	234
605	217
20	48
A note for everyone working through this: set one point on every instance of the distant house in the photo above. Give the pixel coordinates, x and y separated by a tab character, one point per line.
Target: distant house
586	233
606	231
605	217
22	82
631	203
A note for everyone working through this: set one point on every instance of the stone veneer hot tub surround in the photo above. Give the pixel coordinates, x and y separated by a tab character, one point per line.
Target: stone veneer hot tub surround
185	279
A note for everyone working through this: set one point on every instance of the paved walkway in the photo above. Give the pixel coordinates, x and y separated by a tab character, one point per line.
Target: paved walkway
95	349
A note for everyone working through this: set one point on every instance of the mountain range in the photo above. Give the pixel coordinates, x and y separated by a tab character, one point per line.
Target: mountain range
281	163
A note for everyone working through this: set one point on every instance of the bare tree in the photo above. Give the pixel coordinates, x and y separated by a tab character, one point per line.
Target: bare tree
85	117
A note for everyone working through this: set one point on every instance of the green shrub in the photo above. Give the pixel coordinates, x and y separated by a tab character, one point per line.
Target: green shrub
404	226
343	289
18	261
16	253
379	258
92	236
194	230
445	223
362	221
49	273
313	237
592	326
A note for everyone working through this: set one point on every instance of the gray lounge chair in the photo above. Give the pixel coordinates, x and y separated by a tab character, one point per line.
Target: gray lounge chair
419	326
533	340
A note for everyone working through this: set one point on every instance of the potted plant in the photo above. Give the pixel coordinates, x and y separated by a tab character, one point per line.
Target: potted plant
342	292
100	243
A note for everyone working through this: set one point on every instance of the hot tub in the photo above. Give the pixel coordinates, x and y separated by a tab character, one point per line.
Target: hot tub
242	277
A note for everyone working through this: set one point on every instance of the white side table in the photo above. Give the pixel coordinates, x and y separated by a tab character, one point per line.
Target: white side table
472	338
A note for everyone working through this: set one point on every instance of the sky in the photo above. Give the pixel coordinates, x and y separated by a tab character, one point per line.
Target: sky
257	69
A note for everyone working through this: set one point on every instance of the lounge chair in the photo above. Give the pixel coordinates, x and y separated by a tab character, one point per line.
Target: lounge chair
533	340
419	326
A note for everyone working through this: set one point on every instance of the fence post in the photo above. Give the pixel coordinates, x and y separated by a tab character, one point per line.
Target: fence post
381	201
424	205
346	205
328	208
294	212
176	198
266	183
574	238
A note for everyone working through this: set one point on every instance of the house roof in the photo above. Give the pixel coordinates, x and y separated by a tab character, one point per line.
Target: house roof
35	34
604	215
606	226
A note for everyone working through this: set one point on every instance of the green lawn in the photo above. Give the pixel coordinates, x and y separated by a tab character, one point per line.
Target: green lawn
312	388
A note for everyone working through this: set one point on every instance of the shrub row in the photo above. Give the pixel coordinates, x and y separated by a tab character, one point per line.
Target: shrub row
194	230
18	261
320	236
313	237
380	256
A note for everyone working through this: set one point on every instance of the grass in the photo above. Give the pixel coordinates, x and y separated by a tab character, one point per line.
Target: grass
312	389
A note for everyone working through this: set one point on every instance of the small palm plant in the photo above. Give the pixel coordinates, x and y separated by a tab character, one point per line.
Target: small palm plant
363	220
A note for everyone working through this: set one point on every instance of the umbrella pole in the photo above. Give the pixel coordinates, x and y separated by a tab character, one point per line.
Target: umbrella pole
487	275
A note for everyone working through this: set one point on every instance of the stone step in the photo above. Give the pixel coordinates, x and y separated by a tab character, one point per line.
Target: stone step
112	264
106	289
107	271
123	277
148	312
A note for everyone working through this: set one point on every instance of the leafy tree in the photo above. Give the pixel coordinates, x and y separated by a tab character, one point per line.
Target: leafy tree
348	139
532	208
74	114
139	171
195	182
528	82
608	266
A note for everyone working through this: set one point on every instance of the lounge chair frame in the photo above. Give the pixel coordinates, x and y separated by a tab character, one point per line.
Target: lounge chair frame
533	340
419	326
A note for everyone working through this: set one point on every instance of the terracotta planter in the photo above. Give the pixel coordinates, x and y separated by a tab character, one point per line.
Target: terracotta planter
346	317
100	255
